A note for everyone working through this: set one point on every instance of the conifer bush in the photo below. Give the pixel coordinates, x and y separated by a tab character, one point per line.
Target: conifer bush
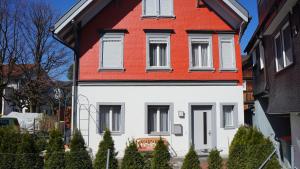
214	160
55	151
191	160
249	149
78	157
27	155
104	145
132	158
9	138
161	156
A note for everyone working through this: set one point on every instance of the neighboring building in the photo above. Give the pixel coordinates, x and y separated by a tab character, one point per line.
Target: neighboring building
275	53
248	89
13	76
151	68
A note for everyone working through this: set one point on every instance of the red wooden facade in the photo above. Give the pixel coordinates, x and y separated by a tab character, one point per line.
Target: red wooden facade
128	15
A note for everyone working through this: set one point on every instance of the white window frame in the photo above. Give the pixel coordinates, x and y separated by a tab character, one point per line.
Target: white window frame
109	37
170	119
227	38
245	85
122	120
280	35
261	55
157	10
159	38
201	38
234	115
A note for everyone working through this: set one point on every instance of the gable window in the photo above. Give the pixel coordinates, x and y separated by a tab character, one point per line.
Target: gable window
283	48
200	52
158	119
111	51
158	51
158	8
227	52
229	116
110	116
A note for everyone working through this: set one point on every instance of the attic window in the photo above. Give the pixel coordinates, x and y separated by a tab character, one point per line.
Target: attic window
200	4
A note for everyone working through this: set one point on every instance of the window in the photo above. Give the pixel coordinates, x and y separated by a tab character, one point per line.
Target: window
158	119
283	48
227	52
158	8
200	52
111	51
111	116
158	51
229	116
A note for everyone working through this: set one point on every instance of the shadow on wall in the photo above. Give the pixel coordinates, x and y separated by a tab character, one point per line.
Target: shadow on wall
108	19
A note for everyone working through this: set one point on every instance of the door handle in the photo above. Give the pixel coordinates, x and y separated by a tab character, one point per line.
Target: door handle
209	132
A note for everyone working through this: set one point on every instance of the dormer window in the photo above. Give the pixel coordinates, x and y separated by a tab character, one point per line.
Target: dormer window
158	8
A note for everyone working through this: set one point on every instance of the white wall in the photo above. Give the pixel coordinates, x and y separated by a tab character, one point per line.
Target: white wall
295	130
135	98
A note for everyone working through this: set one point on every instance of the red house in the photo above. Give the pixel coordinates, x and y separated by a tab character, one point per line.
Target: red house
150	68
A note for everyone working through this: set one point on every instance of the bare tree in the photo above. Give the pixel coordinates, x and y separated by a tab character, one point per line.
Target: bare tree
10	41
48	58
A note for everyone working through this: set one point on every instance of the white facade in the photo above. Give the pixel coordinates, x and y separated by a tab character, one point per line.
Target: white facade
136	97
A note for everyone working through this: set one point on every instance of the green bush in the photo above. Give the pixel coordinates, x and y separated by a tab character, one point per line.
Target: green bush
105	144
55	151
249	149
214	160
191	160
27	154
132	158
161	156
78	157
9	138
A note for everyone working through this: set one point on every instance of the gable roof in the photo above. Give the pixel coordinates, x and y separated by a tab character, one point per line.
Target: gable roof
84	10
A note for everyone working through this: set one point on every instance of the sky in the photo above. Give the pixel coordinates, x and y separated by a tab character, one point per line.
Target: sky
63	6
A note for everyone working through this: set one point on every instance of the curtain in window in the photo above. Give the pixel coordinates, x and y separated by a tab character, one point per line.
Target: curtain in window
280	63
227	55
195	55
228	115
164	120
116	118
104	118
204	55
150	8
165	7
152	119
288	45
153	54
163	55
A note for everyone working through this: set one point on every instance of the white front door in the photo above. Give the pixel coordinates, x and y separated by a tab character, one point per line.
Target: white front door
202	128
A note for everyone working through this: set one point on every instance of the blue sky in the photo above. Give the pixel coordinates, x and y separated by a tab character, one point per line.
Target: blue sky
63	5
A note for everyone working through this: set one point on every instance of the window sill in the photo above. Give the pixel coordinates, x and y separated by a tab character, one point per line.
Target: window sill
159	134
229	128
158	17
111	69
113	133
228	70
159	69
202	69
284	69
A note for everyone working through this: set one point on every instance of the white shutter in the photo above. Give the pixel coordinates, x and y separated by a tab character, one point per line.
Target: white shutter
150	8
165	7
112	53
227	55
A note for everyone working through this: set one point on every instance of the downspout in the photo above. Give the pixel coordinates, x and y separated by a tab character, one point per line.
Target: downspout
75	70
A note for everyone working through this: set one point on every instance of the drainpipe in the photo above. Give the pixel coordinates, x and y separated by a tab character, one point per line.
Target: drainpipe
75	71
